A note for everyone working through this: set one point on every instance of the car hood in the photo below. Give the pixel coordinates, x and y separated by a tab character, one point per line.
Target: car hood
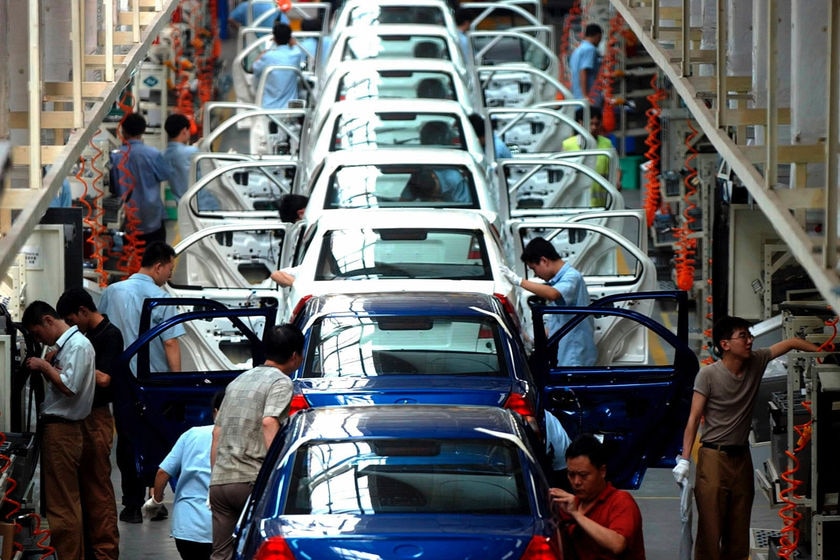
406	389
398	537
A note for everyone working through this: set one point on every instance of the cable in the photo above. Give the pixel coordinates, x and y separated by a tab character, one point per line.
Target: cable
129	261
685	245
653	142
789	540
565	43
603	86
99	215
44	535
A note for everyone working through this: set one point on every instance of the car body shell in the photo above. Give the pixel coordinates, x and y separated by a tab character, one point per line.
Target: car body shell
421	348
421	526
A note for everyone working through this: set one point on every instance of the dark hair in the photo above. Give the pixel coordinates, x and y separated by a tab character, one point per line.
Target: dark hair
289	205
71	300
431	88
283	341
133	125
724	327
435	132
175	123
594	112
593	29
538	248
218	397
421	186
282	33
590	446
462	15
477	122
157	252
35	312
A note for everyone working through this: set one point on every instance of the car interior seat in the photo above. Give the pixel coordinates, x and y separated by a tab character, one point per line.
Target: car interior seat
426	49
432	88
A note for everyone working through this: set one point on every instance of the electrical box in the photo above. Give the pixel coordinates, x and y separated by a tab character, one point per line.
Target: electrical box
150	85
43	255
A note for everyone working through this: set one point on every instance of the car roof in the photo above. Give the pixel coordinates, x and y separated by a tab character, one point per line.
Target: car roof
413	29
432	421
416	65
405	303
423	218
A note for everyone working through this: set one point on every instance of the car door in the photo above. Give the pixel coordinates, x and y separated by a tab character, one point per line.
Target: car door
258	132
157	407
610	263
232	264
243	190
546	186
540	130
639	409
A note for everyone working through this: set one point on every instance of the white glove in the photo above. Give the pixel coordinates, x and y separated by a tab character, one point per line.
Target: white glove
681	470
511	276
151	507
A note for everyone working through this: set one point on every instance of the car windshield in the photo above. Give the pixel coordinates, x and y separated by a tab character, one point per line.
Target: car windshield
373	14
439	254
397	84
382	186
366	46
378	476
365	129
359	346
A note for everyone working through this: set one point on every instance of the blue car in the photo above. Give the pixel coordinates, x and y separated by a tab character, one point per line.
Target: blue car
399	481
412	348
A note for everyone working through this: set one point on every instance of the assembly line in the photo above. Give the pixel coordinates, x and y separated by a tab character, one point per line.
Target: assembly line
392	292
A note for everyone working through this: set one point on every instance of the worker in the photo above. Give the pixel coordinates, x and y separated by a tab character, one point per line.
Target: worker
585	63
598	194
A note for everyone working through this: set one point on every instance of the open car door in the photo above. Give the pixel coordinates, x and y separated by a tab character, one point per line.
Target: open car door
258	131
243	190
540	130
548	186
612	264
157	407
232	264
639	409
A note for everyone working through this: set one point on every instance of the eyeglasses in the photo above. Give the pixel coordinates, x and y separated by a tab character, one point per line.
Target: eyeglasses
743	336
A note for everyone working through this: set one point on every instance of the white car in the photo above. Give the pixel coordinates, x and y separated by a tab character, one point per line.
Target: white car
367	13
399	250
392	124
395	78
380	179
396	41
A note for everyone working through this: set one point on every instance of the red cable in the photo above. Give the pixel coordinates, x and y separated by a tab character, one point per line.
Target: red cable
790	516
686	246
565	43
98	217
606	75
44	535
129	261
653	198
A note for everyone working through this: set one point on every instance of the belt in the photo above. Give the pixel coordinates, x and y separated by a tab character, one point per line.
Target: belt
51	419
728	449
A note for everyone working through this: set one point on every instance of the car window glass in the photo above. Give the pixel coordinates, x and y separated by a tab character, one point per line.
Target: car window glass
397	130
405	476
373	14
382	186
353	346
362	47
403	253
399	84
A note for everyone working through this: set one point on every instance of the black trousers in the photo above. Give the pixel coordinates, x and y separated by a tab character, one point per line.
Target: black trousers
133	489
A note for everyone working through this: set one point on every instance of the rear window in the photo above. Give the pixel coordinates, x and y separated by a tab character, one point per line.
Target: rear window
363	47
397	130
358	346
379	476
373	14
393	253
395	84
383	186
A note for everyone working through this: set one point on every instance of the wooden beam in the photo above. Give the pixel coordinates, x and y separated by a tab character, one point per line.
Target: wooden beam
740	84
49	119
746	117
801	153
99	60
22	155
805	198
54	91
143	18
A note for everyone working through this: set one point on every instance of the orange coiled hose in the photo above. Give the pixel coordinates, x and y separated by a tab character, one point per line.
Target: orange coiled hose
565	44
789	540
686	245
42	536
11	484
603	86
129	261
653	142
97	221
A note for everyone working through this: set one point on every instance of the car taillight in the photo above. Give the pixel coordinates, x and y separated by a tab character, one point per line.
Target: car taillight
474	253
301	302
485	332
298	403
506	304
275	548
539	549
520	404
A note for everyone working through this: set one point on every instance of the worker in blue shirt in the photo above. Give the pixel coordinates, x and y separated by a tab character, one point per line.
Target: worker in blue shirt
281	86
179	155
140	170
189	463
